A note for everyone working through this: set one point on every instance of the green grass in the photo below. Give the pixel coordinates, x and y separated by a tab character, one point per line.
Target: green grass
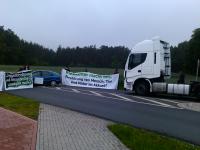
188	78
138	139
14	68
23	106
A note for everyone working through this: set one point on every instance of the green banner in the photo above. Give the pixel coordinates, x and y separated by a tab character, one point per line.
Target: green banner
18	80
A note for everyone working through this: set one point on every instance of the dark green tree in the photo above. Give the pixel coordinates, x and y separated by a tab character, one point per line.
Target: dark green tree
193	53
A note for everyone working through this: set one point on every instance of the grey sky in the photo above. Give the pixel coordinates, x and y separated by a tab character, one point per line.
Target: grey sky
100	22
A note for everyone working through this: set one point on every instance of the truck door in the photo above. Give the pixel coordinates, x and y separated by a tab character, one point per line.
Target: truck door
134	67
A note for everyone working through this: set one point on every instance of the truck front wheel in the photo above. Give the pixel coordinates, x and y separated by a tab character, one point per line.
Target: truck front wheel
142	88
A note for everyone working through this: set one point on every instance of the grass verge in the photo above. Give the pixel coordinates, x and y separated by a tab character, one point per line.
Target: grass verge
138	139
23	106
14	68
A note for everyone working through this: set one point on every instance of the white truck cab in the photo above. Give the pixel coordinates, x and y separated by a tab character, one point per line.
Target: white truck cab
149	61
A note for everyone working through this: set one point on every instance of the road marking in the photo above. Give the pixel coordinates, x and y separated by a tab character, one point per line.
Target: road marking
163	104
98	94
102	92
125	98
76	91
166	100
119	98
58	88
130	100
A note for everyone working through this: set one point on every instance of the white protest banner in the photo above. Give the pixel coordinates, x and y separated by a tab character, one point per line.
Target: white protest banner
1	80
18	80
91	80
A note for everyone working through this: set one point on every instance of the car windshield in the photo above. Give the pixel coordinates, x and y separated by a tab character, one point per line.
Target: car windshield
49	73
36	73
55	73
45	73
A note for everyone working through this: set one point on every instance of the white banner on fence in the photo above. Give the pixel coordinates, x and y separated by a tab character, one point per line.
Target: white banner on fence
18	80
1	80
87	79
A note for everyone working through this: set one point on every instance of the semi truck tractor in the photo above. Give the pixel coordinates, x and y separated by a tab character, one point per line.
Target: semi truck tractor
149	65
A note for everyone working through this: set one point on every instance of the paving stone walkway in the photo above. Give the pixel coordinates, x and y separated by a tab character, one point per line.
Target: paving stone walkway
63	129
16	131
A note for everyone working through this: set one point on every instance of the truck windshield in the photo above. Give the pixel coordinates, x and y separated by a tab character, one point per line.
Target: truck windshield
136	59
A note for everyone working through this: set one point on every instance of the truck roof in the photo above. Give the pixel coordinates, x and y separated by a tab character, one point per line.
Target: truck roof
144	46
148	45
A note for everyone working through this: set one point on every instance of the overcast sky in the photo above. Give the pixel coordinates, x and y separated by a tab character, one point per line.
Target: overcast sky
100	22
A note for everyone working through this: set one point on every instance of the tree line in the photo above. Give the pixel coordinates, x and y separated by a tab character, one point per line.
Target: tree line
186	54
16	51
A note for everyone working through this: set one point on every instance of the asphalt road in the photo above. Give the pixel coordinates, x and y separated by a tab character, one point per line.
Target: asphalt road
160	115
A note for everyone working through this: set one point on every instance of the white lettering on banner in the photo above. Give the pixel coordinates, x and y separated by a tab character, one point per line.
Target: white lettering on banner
87	79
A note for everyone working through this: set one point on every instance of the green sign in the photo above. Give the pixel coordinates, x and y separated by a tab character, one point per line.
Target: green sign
18	80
